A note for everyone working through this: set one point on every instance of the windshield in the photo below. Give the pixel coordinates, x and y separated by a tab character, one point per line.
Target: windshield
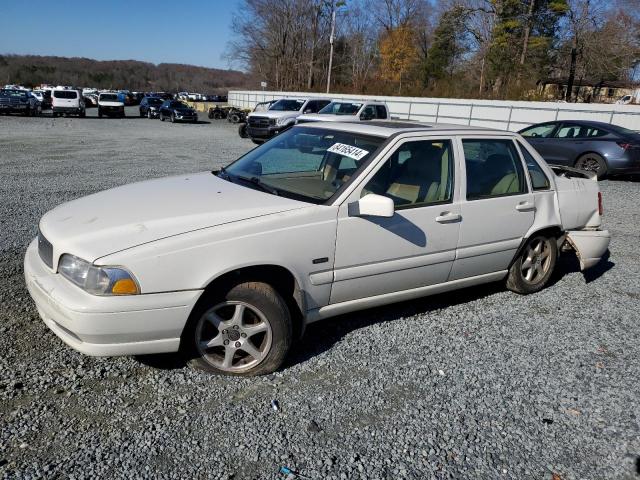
287	105
179	105
13	93
341	108
109	97
308	164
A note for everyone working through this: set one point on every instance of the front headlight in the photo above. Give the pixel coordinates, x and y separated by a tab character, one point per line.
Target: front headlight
97	280
282	121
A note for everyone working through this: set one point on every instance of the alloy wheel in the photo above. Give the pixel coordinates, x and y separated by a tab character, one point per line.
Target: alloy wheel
233	336
537	261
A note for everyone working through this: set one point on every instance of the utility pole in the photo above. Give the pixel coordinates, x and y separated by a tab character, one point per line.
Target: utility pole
333	30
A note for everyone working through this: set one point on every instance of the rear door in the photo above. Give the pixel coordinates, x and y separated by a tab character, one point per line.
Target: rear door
497	207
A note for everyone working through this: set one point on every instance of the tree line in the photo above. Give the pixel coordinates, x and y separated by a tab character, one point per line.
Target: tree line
32	70
450	48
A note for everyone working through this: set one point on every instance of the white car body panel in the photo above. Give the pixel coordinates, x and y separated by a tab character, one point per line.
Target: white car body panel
178	234
331	117
56	102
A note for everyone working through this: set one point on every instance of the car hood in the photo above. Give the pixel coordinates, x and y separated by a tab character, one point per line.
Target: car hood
326	117
274	114
124	217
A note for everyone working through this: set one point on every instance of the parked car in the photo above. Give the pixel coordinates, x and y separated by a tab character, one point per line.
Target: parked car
177	111
19	101
150	107
111	104
67	101
281	116
598	147
327	218
344	111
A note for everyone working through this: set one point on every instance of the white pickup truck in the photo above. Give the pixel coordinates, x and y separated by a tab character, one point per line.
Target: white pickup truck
327	218
261	126
347	111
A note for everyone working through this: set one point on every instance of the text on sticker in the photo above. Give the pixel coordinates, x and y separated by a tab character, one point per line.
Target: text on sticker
347	150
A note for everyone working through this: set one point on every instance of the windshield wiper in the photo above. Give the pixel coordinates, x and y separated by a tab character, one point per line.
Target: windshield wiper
256	181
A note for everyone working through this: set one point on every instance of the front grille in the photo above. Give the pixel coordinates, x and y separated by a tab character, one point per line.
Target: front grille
45	250
259	122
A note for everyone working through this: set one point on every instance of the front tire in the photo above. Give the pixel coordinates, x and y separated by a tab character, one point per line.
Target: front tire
247	331
173	118
531	271
592	162
242	131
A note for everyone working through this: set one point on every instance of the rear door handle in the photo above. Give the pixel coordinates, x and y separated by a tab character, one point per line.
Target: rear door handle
525	207
448	217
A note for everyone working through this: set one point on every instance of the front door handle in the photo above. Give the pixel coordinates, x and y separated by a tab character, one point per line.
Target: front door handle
525	207
448	217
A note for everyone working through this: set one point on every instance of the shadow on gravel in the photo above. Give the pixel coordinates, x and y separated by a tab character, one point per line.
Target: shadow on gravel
321	336
568	263
163	361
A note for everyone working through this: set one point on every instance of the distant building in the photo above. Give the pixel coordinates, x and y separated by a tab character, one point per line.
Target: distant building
587	91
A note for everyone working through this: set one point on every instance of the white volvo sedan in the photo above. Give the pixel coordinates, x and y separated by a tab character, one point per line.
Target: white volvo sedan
229	266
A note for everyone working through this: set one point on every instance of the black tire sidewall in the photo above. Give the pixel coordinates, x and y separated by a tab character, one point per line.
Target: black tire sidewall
602	169
264	298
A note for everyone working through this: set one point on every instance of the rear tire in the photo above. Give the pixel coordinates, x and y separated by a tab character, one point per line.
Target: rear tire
149	115
99	113
592	162
248	330
531	271
173	118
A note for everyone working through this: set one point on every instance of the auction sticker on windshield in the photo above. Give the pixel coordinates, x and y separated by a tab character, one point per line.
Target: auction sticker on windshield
348	151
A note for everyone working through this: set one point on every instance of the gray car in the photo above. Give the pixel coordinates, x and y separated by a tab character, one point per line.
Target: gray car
594	146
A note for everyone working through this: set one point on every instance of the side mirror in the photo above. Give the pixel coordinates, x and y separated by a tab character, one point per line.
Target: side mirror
372	205
308	110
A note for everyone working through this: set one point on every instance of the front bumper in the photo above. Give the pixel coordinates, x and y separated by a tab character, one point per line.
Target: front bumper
263	133
107	326
13	107
186	117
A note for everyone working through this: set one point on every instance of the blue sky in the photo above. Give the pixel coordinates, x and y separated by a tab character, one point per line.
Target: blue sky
188	31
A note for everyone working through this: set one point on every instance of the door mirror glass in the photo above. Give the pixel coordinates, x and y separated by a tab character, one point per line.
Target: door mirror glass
372	205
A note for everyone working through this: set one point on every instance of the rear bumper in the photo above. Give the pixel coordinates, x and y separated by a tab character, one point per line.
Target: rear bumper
67	109
107	326
590	245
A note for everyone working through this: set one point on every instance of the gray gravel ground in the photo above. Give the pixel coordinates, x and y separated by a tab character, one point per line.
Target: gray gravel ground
480	383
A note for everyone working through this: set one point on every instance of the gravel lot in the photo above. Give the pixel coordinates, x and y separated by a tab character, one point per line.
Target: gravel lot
481	383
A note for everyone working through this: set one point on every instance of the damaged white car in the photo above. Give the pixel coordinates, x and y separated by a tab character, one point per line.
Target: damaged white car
229	266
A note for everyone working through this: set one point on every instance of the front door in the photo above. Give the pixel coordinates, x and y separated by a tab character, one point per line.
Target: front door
497	207
415	247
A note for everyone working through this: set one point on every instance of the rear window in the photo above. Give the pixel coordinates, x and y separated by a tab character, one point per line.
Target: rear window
109	97
65	94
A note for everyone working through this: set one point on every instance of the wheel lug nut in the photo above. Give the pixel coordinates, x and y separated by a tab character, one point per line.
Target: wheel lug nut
235	327
226	342
237	344
243	335
224	331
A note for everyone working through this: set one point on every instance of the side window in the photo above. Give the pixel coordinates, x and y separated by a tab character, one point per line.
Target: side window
493	169
569	130
539	180
382	111
314	106
541	131
417	174
368	113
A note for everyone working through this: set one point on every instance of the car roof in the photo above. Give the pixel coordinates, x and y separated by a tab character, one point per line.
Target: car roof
591	123
388	128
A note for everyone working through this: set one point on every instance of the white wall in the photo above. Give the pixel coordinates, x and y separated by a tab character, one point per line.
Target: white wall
503	115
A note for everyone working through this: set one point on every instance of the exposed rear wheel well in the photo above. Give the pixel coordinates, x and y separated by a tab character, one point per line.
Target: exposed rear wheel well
554	231
281	279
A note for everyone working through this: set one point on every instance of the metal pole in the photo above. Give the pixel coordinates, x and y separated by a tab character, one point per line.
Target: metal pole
333	29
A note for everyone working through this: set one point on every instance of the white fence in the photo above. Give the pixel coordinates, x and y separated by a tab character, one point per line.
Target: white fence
503	115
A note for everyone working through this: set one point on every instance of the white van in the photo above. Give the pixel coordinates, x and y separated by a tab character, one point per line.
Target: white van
67	101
